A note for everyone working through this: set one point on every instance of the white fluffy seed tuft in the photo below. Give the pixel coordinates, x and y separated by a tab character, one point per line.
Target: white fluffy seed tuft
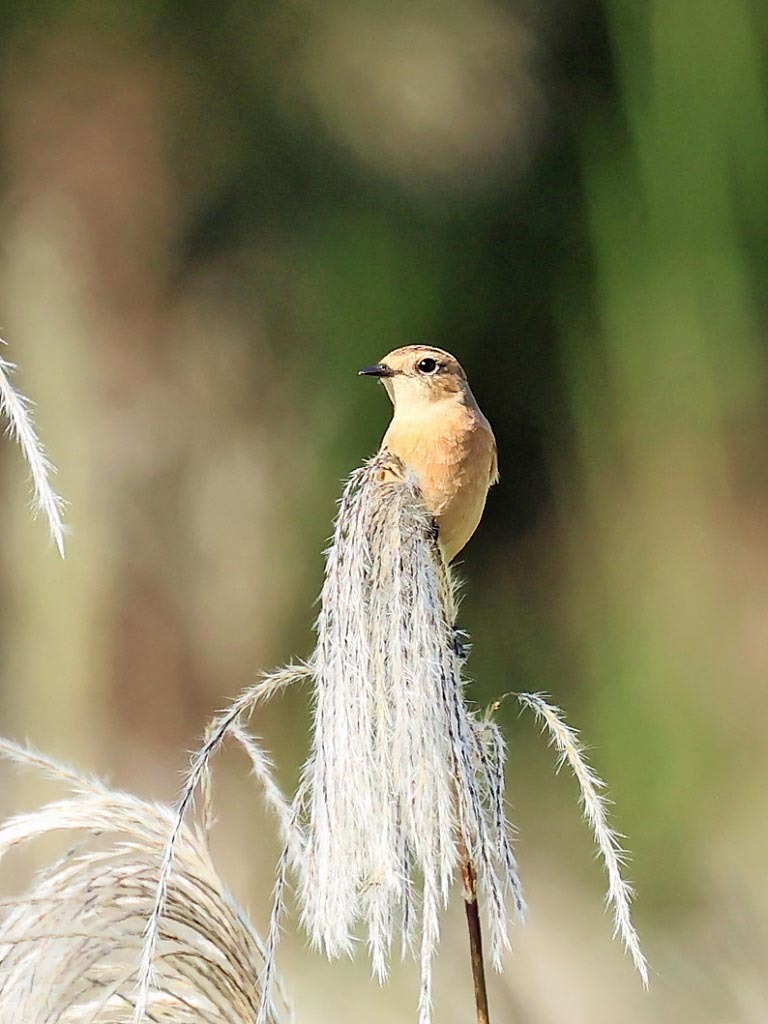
403	780
594	805
70	945
227	723
21	426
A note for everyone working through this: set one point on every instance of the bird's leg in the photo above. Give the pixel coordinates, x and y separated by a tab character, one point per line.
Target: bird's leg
460	647
434	531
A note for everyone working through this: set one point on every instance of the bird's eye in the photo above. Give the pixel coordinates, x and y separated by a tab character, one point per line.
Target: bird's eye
427	366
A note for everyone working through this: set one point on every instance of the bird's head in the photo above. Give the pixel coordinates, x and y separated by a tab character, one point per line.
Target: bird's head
418	375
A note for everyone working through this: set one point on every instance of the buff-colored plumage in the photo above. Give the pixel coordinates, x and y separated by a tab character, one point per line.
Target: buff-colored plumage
439	432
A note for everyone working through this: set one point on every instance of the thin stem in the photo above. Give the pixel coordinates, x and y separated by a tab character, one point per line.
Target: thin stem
469	878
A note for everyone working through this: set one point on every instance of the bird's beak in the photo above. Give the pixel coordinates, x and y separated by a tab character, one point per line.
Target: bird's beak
378	370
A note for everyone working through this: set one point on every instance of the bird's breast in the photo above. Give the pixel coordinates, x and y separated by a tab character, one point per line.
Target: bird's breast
453	457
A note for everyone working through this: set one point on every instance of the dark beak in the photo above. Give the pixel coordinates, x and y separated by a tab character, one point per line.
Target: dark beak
379	370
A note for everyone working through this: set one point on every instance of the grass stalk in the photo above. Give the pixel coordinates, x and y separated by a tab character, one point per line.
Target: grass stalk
472	910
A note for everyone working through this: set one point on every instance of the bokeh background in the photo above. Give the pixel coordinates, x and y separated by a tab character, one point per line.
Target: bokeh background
210	216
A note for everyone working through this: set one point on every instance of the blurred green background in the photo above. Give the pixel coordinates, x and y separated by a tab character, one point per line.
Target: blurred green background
211	216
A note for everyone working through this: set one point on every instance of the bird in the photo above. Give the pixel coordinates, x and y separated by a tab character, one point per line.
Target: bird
439	433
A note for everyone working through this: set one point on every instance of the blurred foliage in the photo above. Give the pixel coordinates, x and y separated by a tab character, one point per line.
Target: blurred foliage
213	214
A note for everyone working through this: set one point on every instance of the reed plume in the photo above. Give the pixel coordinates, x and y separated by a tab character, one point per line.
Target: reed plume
70	945
21	426
570	751
401	780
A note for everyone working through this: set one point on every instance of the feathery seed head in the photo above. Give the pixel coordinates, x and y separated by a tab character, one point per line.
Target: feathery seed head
402	776
21	426
70	946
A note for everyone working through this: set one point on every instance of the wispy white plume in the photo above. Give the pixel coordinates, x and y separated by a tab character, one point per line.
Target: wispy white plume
70	945
21	426
402	778
227	722
571	752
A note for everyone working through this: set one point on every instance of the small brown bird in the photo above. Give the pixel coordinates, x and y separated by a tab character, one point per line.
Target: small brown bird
439	432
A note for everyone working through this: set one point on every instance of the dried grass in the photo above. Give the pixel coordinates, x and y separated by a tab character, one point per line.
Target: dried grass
21	426
70	946
228	722
594	805
400	780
